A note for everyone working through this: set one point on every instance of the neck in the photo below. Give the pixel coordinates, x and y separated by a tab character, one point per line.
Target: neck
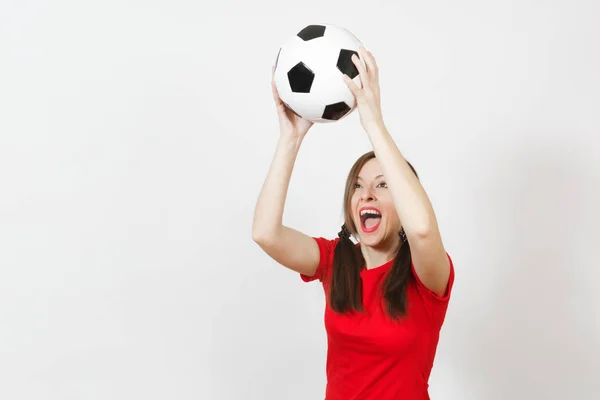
381	254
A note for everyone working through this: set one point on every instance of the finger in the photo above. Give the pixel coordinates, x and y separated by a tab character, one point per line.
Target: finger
369	60
360	67
351	85
375	66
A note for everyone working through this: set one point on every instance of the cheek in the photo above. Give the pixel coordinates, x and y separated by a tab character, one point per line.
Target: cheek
353	205
353	202
392	214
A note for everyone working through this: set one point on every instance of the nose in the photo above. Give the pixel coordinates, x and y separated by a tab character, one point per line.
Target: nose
367	195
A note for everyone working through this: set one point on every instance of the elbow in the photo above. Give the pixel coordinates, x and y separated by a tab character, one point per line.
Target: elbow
426	228
258	232
258	237
424	233
262	236
420	233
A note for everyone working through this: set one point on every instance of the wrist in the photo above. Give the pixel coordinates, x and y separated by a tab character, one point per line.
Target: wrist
375	128
289	143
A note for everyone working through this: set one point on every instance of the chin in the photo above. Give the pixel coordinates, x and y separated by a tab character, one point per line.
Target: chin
373	239
374	242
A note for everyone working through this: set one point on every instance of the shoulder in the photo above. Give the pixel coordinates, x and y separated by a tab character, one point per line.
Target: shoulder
326	253
443	297
434	303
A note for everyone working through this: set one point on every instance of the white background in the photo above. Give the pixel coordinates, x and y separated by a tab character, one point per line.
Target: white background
135	137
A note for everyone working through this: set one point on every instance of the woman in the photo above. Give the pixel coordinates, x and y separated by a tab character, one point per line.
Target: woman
386	295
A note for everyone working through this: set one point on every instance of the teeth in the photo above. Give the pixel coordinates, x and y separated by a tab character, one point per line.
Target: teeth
363	212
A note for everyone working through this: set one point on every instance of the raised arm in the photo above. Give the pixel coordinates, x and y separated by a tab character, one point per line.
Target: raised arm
287	246
411	201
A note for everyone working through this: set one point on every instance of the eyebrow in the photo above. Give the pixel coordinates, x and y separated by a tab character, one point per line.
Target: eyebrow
377	177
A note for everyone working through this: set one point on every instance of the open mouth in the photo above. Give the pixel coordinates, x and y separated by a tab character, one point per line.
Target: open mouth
370	218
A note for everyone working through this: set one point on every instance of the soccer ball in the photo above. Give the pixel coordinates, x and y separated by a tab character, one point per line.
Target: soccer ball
309	72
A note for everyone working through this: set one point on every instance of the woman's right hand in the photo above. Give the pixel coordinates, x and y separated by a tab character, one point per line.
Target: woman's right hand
291	126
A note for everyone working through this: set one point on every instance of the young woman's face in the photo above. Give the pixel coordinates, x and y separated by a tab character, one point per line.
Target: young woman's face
373	211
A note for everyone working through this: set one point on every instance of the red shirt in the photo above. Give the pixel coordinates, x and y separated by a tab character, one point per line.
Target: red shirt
368	355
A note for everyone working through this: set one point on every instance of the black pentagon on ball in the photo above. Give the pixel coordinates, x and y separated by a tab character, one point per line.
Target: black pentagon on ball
300	78
345	64
336	111
311	32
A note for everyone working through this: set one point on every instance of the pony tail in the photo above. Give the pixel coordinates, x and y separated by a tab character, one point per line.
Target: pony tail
346	287
396	283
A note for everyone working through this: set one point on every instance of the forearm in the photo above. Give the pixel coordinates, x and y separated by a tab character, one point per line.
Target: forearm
410	199
268	213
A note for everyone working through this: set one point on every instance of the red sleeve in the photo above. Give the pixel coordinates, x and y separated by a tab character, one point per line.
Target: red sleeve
326	251
436	305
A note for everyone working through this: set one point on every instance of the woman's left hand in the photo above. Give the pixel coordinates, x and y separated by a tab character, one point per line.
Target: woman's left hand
368	97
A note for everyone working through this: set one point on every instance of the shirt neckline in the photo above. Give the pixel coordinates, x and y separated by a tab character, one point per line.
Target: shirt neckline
382	268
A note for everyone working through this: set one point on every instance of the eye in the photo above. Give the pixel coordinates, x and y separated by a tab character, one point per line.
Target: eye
356	185
384	184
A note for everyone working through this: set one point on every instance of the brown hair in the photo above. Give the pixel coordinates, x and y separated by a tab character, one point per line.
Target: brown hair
345	289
